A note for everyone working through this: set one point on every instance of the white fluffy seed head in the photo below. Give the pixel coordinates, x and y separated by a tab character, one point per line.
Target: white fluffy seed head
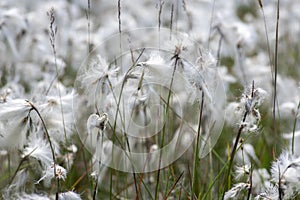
96	121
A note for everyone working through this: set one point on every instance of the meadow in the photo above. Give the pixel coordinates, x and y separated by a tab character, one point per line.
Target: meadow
152	99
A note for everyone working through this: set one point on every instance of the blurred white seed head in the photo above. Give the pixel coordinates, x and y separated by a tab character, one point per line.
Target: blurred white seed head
98	77
97	121
286	168
18	182
70	195
38	148
235	191
25	196
242	171
246	154
153	148
249	104
260	180
285	174
14	109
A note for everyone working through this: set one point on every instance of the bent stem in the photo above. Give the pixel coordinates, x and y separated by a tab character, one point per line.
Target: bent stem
50	143
19	166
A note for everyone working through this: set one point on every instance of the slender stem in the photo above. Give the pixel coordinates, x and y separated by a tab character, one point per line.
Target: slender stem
95	189
172	188
20	164
58	186
53	30
232	154
276	67
250	181
89	26
110	185
171	23
279	184
195	170
119	16
8	160
177	58
268	41
210	23
294	127
214	181
116	115
219	50
161	3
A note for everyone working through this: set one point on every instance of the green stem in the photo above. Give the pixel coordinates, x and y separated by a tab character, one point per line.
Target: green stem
196	157
177	58
231	158
294	128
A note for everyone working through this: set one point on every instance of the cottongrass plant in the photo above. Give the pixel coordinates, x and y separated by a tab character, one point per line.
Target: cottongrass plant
143	90
248	111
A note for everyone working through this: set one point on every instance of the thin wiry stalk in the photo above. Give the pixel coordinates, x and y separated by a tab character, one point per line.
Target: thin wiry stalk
58	188
141	177
87	169
20	164
116	196
80	178
137	185
214	181
188	14
268	41
119	16
99	162
232	154
294	127
211	172
120	30
177	14
53	30
219	46
88	16
167	180
177	59
190	179
161	3
241	58
280	191
8	161
173	186
250	182
171	22
276	66
95	189
234	149
196	156
210	23
116	115
110	185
